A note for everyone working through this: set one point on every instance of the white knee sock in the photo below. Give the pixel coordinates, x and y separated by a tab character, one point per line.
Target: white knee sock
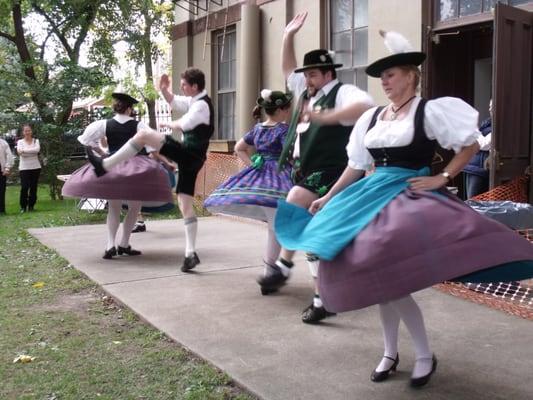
125	152
113	221
313	262
191	228
412	317
129	221
390	321
272	248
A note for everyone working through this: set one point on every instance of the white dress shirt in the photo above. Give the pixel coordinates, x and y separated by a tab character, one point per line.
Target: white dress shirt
6	157
196	112
346	95
449	120
29	159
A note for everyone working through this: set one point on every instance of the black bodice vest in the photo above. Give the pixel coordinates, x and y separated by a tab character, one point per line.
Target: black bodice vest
198	138
416	155
118	134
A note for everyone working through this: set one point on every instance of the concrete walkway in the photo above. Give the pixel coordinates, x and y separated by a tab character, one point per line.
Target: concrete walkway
219	314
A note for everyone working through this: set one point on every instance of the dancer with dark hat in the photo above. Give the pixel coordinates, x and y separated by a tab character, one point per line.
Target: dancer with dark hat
197	125
254	192
132	181
316	142
398	230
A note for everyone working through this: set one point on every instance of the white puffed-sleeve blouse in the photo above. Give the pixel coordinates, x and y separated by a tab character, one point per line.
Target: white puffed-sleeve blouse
448	120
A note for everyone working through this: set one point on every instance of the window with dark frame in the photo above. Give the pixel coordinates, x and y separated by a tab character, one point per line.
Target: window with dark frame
226	84
349	39
453	9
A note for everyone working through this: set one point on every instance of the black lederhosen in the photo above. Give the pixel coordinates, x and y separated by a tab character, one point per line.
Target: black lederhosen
189	160
318	182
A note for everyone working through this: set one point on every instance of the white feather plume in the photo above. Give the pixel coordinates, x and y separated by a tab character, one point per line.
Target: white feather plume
331	54
265	94
396	43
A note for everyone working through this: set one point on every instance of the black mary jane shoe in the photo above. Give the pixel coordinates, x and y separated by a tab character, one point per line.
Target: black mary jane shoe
108	254
190	262
313	315
422	380
380	376
128	251
272	281
95	161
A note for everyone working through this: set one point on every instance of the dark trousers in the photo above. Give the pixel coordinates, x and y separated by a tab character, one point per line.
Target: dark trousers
29	178
475	185
3	180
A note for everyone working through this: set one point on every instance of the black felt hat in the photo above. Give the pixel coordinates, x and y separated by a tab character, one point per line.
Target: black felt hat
317	59
273	99
126	98
402	54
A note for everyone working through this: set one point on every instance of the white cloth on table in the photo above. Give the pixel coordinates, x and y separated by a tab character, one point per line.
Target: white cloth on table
448	120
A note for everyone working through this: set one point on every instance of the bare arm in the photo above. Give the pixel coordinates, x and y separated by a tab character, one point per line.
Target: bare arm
454	167
288	56
164	87
243	150
333	117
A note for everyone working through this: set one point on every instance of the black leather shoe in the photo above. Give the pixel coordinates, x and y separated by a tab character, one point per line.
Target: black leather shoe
139	228
95	161
128	251
272	280
190	262
421	381
108	254
313	315
379	376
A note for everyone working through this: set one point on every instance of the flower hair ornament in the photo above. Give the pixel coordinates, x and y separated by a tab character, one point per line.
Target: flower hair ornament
265	94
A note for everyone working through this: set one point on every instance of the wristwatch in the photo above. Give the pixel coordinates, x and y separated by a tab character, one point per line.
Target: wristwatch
446	175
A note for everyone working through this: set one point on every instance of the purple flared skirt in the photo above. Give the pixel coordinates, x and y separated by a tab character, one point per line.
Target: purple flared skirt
139	178
416	241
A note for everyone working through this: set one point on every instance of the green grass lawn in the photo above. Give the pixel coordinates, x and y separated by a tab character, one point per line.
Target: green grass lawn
86	346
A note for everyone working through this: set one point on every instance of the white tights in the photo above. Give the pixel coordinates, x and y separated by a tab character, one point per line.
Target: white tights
113	221
407	310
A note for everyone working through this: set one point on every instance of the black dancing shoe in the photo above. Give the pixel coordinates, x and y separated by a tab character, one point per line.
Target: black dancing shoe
139	228
128	251
108	254
422	380
380	376
313	315
272	280
190	262
95	161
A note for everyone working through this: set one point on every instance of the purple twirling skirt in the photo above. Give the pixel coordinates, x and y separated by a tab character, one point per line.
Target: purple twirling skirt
139	178
416	241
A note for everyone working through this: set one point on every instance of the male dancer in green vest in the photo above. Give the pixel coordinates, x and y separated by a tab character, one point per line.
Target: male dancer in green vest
316	143
197	125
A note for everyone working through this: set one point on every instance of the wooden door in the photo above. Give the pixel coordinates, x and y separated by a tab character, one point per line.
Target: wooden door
512	94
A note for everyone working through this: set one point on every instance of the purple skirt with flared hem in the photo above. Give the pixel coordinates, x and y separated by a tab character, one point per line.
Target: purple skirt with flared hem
139	178
416	241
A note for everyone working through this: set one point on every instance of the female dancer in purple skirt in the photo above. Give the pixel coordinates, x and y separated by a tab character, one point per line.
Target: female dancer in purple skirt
254	191
134	181
383	237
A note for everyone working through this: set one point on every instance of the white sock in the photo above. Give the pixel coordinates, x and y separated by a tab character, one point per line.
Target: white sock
129	221
313	262
191	228
317	301
125	152
113	221
412	317
285	270
272	248
390	321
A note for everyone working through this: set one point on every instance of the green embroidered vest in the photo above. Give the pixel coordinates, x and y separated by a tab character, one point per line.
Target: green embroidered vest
321	146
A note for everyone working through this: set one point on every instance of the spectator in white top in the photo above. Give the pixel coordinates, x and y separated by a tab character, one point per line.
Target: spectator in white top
28	149
6	162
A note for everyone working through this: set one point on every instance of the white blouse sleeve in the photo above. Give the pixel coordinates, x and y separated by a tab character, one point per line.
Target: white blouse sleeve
358	155
296	84
451	122
180	104
93	133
